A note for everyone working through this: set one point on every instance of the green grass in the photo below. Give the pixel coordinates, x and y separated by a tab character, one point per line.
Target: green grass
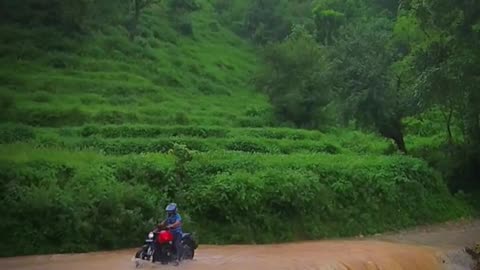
205	77
127	139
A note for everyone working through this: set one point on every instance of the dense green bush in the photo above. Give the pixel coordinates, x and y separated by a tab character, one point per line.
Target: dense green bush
152	131
51	116
151	170
322	146
124	146
280	133
57	201
265	198
15	133
52	205
247	146
458	164
147	138
114	117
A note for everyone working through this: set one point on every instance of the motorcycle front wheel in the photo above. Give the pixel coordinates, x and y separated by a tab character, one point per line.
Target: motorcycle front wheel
138	257
163	255
139	254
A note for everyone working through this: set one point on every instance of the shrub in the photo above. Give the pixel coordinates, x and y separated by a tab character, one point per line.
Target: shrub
253	122
50	207
41	97
125	147
107	202
61	60
185	26
49	140
155	171
245	145
307	196
276	133
7	106
138	139
114	117
287	147
16	133
150	131
181	118
51	117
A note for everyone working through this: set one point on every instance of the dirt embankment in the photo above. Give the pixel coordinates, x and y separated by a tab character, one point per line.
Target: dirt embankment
426	248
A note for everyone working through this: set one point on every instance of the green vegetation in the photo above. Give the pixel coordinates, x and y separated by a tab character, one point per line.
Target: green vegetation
265	120
375	65
90	199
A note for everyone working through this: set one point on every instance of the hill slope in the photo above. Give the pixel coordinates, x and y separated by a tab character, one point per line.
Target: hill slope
163	77
89	137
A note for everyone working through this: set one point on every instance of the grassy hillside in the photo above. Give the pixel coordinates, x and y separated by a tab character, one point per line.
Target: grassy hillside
163	77
91	135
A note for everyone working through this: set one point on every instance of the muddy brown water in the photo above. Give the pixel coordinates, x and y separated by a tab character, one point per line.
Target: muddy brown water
429	248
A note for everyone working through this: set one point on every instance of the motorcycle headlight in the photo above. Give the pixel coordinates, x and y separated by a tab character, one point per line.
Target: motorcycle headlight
150	235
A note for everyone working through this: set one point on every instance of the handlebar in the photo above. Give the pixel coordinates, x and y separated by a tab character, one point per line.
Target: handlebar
161	228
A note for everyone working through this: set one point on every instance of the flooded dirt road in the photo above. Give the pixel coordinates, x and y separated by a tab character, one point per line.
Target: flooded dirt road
428	248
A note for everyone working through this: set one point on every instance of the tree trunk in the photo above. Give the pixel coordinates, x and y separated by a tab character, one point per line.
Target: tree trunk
393	130
448	122
138	6
399	141
136	18
137	11
472	121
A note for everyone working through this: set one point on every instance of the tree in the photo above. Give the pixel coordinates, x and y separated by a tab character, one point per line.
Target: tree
179	11
390	5
265	21
295	78
183	6
448	60
66	15
446	63
136	8
352	9
364	72
327	23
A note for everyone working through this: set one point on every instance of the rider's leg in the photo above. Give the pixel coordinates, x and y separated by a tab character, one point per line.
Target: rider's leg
178	245
156	247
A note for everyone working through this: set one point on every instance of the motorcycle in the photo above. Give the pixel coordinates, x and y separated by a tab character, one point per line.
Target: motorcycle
159	247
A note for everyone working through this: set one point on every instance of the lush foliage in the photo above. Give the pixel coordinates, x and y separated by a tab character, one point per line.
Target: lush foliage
61	201
111	109
296	79
378	64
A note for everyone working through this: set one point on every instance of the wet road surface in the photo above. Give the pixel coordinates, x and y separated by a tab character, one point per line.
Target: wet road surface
422	249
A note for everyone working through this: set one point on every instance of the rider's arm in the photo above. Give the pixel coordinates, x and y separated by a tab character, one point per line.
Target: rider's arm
162	224
177	223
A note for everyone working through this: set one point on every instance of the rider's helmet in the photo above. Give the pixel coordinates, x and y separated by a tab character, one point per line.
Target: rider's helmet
171	209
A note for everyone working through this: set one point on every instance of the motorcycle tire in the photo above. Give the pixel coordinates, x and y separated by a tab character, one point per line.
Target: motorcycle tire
188	253
163	256
139	254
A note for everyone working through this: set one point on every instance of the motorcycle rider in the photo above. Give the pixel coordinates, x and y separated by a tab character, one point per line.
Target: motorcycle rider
174	223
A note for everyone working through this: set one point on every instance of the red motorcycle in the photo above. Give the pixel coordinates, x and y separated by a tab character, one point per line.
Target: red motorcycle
159	247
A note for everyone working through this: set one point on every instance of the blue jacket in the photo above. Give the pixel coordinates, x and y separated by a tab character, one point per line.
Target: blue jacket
172	220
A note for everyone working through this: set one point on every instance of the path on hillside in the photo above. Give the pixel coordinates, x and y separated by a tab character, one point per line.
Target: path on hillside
426	248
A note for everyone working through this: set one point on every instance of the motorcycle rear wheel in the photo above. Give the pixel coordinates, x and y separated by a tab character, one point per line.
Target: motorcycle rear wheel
188	253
